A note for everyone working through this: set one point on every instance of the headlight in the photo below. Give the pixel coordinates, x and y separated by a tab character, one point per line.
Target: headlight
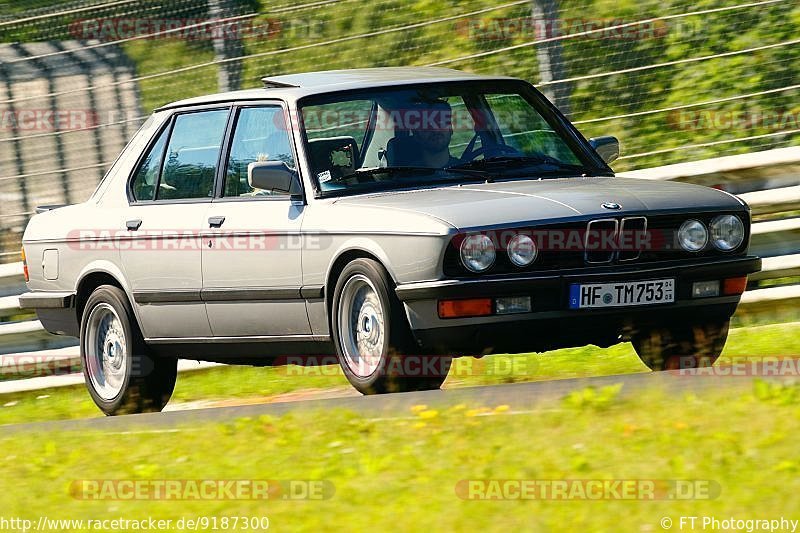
693	236
521	250
477	253
727	232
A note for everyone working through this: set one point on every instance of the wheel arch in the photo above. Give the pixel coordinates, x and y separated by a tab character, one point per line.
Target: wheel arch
94	276
344	258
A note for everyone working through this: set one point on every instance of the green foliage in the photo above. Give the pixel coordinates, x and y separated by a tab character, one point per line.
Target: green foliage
776	393
297	48
598	399
288	37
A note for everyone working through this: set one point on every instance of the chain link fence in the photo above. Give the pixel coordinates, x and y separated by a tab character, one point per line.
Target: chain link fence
675	80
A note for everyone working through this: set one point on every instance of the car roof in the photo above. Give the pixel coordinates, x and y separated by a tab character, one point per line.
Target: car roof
295	86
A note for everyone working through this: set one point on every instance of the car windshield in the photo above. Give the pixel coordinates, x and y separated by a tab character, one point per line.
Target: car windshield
437	133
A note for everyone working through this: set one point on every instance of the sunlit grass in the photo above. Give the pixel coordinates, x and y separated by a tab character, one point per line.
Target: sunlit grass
253	384
403	469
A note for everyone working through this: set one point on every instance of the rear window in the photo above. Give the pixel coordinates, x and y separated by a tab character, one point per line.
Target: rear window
182	162
146	179
190	163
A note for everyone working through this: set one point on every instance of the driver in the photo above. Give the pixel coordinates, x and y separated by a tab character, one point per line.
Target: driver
431	135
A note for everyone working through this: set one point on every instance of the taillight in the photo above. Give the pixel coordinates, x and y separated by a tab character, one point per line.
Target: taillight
25	265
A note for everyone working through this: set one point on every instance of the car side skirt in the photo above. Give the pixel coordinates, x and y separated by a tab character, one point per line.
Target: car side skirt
243	350
223	294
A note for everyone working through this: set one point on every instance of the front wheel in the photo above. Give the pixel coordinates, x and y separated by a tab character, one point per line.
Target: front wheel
681	347
120	372
372	337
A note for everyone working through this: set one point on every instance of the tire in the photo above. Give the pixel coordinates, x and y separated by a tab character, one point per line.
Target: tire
682	347
386	359
122	375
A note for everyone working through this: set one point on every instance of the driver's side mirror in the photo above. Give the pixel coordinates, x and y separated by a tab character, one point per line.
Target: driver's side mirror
607	147
274	176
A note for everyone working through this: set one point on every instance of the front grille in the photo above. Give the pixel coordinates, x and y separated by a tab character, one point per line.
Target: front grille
567	248
600	240
632	236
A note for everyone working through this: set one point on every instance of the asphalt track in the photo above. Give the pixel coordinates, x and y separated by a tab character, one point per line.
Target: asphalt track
520	397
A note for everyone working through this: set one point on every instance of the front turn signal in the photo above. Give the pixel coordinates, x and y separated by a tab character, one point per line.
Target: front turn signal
465	308
734	285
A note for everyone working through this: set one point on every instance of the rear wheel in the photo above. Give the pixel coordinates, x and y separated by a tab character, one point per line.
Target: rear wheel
121	373
373	341
681	347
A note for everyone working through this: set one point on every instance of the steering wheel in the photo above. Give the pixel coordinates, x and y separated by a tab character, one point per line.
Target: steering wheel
471	153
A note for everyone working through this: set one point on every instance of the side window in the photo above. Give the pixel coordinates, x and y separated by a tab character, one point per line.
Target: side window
261	135
336	133
146	178
339	119
192	154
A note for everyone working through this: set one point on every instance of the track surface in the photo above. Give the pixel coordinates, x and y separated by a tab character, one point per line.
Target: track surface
518	396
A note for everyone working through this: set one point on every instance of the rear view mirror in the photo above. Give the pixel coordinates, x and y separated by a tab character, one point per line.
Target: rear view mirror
274	176
607	147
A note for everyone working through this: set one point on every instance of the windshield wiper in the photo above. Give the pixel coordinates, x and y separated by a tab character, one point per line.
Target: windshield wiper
366	172
518	160
371	171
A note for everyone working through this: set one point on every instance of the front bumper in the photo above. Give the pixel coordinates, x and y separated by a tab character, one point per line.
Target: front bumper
551	324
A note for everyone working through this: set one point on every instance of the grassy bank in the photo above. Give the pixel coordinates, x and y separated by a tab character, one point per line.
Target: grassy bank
411	468
270	384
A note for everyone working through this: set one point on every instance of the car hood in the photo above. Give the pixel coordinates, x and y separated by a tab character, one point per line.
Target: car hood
510	202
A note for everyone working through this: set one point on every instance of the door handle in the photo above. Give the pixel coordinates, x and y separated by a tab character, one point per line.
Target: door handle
216	222
133	225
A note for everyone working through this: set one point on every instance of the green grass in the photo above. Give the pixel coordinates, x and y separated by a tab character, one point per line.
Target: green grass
263	384
153	57
402	470
777	282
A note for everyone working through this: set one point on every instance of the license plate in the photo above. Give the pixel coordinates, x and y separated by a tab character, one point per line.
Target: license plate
648	292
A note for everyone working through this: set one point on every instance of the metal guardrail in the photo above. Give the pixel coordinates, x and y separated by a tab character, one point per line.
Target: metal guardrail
773	201
769	181
11	281
745	173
